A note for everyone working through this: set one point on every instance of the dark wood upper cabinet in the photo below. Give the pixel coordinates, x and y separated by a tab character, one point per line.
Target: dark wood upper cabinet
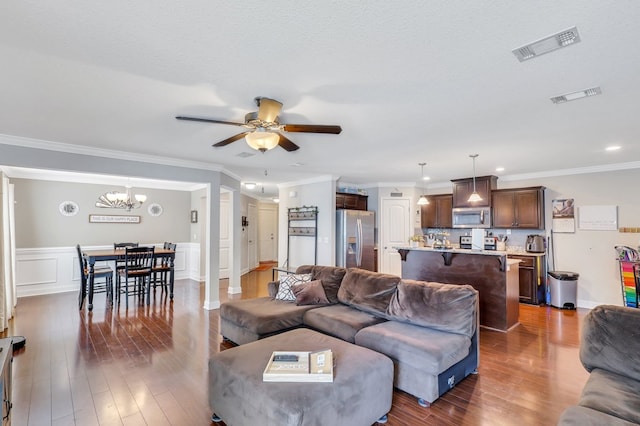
518	208
437	214
351	201
462	189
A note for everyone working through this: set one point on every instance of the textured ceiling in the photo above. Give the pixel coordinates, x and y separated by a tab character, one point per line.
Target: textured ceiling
410	81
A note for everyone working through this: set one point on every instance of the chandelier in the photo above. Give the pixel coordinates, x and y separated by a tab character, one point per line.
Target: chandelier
121	200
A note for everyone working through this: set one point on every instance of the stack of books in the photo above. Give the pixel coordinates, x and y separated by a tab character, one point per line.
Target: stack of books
295	366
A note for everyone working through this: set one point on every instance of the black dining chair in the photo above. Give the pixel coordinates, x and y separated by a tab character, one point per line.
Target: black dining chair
138	262
120	262
162	267
102	281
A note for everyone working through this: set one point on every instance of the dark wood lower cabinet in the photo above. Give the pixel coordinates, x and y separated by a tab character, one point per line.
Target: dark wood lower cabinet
532	278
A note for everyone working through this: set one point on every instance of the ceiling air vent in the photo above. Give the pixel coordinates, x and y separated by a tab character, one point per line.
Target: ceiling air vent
548	44
245	154
576	95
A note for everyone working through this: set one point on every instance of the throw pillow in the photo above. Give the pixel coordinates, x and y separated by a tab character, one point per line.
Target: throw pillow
287	282
311	293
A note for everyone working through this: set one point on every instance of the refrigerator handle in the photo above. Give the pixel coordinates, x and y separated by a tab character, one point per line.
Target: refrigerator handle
358	242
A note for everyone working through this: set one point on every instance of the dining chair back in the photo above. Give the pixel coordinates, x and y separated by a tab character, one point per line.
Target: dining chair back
162	266
120	262
105	285
138	262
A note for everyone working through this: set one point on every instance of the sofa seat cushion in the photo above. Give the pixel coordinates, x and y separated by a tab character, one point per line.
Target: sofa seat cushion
583	416
445	307
612	394
264	315
423	348
340	321
368	291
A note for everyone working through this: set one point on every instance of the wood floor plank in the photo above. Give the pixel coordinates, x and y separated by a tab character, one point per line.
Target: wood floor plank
148	365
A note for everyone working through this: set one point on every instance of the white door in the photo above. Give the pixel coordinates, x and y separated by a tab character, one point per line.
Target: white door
252	244
267	232
395	229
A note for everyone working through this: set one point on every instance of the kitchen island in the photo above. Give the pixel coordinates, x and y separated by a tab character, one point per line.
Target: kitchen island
490	272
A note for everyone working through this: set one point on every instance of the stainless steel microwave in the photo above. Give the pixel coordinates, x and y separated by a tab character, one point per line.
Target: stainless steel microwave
472	217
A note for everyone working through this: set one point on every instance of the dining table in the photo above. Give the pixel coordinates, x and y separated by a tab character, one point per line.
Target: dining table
93	256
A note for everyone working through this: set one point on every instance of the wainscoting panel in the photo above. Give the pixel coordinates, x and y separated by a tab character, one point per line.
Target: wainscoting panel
56	269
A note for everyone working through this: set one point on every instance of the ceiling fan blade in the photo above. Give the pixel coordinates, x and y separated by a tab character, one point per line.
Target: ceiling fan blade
287	144
269	109
231	139
208	120
312	128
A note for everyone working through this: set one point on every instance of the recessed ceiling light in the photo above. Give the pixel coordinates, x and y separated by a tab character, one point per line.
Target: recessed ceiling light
249	185
499	169
276	200
593	91
426	178
297	164
548	44
613	148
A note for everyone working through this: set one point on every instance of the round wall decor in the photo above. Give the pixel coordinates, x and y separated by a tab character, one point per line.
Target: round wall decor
155	209
68	208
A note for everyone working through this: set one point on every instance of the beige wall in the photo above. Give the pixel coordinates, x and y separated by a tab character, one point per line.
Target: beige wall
40	224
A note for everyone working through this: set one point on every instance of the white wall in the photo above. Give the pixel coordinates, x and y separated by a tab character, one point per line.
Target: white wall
321	193
591	253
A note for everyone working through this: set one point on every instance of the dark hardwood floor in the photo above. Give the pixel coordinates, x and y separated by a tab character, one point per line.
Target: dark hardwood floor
148	365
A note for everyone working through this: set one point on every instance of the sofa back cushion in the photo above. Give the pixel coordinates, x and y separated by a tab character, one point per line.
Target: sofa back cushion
368	291
446	307
330	276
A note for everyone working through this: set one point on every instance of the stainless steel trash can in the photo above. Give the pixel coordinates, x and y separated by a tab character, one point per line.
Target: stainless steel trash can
563	289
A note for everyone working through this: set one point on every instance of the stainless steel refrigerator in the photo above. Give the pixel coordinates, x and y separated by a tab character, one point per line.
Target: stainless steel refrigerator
355	239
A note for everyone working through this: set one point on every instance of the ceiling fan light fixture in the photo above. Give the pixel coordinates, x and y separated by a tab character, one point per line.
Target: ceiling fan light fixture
261	140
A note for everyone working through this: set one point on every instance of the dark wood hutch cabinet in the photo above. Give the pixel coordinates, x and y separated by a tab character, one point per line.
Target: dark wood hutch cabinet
351	201
518	208
437	214
462	189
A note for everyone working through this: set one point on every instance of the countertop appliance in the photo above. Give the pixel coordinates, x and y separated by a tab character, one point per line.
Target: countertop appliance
490	243
465	242
535	244
355	239
471	217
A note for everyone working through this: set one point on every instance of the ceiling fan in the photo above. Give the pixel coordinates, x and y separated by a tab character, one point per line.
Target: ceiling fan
264	126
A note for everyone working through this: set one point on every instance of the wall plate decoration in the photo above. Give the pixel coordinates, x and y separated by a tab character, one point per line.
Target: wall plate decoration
68	208
155	209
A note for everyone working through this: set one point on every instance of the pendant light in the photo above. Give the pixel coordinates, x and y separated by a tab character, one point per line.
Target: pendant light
423	200
474	197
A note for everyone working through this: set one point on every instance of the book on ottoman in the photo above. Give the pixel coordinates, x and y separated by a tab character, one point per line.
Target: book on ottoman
295	366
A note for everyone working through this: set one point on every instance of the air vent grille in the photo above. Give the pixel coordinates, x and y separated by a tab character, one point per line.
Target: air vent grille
548	44
576	95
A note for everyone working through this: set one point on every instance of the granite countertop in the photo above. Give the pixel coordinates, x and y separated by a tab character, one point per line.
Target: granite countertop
469	251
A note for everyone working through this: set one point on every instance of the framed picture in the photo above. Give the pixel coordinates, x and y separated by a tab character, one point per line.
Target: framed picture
103	218
194	216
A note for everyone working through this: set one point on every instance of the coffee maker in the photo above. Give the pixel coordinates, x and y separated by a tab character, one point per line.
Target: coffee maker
535	244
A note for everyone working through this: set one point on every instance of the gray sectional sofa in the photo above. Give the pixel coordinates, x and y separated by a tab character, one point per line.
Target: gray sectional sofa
610	351
429	330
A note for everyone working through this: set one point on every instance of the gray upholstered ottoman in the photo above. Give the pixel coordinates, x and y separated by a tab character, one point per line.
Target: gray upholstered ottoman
359	395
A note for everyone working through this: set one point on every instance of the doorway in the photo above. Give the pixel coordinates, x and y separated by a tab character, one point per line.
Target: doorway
395	229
